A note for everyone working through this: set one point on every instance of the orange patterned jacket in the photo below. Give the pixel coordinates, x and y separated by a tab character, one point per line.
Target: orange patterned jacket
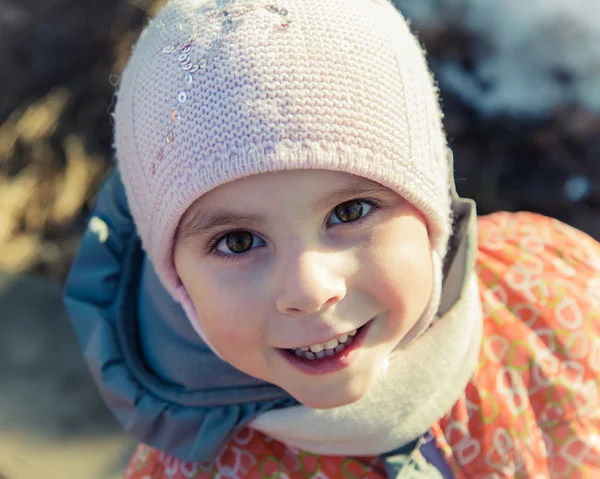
532	408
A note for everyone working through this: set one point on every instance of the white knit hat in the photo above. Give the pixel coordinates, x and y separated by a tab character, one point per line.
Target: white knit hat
219	91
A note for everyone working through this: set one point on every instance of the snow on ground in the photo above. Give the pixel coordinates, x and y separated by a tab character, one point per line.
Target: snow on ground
531	56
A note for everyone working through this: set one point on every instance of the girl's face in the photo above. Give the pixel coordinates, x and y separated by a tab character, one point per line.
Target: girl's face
306	279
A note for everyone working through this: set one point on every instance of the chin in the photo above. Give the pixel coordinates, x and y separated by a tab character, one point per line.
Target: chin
332	397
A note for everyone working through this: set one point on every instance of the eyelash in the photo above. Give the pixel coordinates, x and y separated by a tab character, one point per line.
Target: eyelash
211	248
212	245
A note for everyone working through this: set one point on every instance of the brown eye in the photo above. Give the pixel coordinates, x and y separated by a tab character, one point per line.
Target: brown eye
349	211
239	241
236	243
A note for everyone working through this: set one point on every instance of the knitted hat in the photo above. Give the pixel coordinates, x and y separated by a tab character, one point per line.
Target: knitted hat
222	90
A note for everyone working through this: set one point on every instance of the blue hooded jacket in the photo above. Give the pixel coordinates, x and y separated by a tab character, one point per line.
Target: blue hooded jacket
163	384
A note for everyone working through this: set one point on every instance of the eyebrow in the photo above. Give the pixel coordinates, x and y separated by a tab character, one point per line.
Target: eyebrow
200	222
353	188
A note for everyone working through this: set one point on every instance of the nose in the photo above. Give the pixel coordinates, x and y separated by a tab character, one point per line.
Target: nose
308	283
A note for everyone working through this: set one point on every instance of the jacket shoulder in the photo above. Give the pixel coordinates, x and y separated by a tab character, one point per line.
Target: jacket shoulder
540	274
511	236
533	404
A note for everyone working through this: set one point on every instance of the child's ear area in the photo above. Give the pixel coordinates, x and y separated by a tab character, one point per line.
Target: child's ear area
421	218
188	227
181	242
178	259
178	251
184	228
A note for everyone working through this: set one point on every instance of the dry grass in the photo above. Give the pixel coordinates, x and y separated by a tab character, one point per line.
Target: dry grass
55	130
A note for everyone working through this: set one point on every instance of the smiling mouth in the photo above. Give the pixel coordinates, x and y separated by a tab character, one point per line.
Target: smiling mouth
330	359
328	349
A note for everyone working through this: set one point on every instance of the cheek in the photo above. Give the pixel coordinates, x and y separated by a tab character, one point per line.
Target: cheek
398	268
228	307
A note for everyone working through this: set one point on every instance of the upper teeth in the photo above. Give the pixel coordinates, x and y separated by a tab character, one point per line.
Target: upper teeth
331	344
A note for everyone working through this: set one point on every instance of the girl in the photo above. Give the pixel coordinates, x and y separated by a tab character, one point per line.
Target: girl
279	279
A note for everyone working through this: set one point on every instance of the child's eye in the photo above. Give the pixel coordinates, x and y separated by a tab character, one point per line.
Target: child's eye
238	242
349	211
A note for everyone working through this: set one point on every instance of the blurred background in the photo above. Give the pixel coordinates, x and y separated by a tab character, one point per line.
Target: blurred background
520	86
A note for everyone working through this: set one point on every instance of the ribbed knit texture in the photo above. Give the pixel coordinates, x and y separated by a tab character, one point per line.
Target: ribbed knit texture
219	91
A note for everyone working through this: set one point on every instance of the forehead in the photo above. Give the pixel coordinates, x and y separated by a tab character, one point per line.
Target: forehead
307	184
